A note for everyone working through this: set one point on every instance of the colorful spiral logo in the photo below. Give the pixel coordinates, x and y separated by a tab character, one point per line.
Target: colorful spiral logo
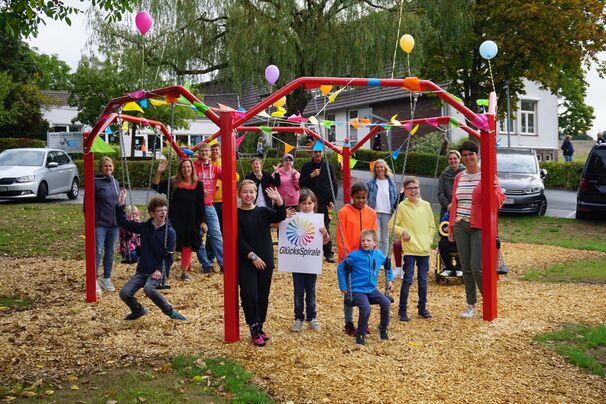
300	232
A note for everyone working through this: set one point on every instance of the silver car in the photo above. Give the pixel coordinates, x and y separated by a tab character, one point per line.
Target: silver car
36	173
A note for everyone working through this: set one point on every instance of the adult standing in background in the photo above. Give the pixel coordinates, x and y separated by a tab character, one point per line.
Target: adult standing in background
320	177
263	180
107	190
567	149
382	197
289	188
447	178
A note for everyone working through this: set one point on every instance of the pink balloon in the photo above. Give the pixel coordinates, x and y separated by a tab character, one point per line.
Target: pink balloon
272	73
143	21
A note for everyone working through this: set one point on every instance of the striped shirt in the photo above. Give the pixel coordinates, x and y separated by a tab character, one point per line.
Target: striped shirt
467	183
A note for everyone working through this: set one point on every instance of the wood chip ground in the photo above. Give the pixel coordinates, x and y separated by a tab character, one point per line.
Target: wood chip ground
445	359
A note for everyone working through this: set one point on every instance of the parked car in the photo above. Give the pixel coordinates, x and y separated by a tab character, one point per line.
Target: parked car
591	196
36	173
522	181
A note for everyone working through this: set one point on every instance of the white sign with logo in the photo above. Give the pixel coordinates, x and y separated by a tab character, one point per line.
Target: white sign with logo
71	142
300	244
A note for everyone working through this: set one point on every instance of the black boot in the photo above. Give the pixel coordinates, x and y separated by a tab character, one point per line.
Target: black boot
360	339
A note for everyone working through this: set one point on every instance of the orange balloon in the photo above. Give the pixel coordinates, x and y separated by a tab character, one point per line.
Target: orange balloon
325	89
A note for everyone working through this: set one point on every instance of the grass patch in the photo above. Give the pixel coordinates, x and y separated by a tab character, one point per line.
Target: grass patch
583	346
185	379
589	271
556	231
15	303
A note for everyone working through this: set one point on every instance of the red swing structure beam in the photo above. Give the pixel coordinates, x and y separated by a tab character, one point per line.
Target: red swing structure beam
229	122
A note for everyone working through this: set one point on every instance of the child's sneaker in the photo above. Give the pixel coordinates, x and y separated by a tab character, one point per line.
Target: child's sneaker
99	290
425	314
255	336
297	326
106	284
264	336
175	315
314	324
383	333
403	316
360	339
469	312
350	329
185	277
133	316
459	273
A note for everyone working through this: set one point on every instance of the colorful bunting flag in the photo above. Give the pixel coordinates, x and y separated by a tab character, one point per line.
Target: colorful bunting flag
99	146
239	140
265	129
396	152
172	98
454	122
132	106
394	118
212	142
318	146
455	97
365	121
408	125
395	122
372	165
157	103
482	102
263	114
288	148
355	124
313	120
108	130
432	121
225	108
279	113
333	96
143	103
414	130
327	124
125	126
137	95
352	162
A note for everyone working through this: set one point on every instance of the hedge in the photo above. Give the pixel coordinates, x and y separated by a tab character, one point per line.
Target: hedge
19	142
562	175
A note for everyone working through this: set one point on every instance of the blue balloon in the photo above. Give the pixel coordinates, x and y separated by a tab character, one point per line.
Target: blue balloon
488	50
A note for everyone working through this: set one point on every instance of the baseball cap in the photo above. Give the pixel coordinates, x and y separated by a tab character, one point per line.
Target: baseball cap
288	155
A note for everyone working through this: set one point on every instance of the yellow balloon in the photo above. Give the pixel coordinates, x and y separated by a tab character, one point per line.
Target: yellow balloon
280	102
325	89
407	43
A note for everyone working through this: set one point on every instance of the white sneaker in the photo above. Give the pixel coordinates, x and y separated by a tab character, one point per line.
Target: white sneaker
106	284
397	273
459	273
314	324
469	312
297	326
99	290
446	273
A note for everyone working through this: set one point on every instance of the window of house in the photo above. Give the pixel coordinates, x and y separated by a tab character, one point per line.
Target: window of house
528	117
503	125
351	131
548	157
332	131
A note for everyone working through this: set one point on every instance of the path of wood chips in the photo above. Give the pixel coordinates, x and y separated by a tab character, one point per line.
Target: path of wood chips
442	360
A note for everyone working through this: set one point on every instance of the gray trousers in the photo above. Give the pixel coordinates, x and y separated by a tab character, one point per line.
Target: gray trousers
469	245
138	281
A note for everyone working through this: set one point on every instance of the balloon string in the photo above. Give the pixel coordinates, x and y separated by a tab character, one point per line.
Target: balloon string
142	60
395	50
491	78
409	75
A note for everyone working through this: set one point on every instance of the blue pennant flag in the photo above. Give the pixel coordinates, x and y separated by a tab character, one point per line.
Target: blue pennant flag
108	130
396	152
499	142
143	103
318	146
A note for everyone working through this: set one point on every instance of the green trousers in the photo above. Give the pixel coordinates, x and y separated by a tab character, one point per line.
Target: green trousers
469	245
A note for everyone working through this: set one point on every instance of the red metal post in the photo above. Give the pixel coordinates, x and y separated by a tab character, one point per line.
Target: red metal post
89	221
346	173
230	229
488	153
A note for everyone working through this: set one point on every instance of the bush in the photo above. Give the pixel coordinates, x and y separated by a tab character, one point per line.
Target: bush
430	143
562	175
416	164
19	142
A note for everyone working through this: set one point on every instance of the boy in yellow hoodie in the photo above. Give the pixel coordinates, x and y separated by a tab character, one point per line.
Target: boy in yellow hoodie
413	221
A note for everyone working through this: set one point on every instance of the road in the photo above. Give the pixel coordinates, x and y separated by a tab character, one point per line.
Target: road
559	203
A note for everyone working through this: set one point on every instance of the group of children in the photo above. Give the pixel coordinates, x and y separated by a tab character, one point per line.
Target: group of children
360	262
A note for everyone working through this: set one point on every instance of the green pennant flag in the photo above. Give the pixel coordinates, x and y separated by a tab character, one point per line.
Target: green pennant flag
454	122
202	108
455	97
482	102
327	124
99	146
265	129
352	162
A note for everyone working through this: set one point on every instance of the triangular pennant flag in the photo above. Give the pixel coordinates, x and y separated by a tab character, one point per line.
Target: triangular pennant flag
432	121
352	162
499	142
396	152
408	125
212	142
372	165
355	124
137	95
143	103
482	102
288	148
454	123
132	106
239	140
225	108
313	120
395	122
394	118
187	85
265	129
455	97
201	107
172	98
99	146
327	124
340	161
263	114
157	103
279	113
108	130
318	146
331	98
183	100
414	130
124	126
365	121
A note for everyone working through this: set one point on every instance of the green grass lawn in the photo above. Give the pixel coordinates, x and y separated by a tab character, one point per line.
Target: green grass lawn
583	346
593	271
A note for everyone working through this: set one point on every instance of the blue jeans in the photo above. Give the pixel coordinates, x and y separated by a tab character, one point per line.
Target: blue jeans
130	256
214	232
138	281
568	157
382	221
363	301
305	287
422	269
106	239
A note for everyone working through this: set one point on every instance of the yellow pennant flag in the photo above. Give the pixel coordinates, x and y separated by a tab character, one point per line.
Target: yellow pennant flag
340	160
125	126
132	106
352	163
313	120
414	130
212	142
279	113
372	165
157	103
331	98
394	120
288	148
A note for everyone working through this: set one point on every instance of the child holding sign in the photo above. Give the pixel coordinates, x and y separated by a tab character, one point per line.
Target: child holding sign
304	283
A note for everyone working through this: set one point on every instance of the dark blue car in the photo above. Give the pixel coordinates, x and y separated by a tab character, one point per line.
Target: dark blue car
591	196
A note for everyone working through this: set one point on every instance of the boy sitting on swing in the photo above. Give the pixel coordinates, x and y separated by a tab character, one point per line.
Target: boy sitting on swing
158	242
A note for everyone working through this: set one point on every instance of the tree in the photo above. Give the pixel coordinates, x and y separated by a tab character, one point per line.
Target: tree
53	73
21	18
20	109
577	117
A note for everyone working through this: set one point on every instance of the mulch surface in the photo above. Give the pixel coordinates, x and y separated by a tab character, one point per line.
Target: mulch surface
444	359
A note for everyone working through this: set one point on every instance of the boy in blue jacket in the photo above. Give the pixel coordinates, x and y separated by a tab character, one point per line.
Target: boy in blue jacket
363	266
158	243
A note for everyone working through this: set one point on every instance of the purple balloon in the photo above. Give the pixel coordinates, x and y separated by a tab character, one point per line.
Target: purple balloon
272	73
143	21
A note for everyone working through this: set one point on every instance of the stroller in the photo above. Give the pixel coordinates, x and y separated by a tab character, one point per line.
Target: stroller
448	265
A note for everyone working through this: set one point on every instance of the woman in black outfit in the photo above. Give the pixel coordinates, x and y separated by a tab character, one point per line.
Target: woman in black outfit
256	255
186	209
265	180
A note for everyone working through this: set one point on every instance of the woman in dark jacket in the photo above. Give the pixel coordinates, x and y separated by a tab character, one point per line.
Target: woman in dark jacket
567	149
447	180
263	180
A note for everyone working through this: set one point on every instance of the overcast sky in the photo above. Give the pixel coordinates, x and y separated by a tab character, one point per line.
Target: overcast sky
68	43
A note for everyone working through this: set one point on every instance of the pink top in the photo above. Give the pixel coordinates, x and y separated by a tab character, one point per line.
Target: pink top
289	186
208	174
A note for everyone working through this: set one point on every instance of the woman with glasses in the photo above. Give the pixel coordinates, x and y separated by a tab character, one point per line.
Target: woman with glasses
465	222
